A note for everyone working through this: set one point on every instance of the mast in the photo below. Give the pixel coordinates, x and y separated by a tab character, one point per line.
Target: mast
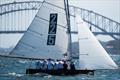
69	29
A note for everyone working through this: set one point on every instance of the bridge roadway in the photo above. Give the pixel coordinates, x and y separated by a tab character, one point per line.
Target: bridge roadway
72	32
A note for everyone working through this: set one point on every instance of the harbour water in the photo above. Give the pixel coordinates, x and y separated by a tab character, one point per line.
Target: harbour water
14	69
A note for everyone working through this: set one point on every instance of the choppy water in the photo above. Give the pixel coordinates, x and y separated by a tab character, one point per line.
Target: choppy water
14	69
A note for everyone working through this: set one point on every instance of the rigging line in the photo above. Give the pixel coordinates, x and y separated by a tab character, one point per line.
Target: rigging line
48	21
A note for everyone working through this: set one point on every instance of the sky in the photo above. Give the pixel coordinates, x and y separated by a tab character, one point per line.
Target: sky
108	8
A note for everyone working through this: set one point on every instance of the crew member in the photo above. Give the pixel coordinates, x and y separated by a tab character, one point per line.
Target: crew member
45	65
60	65
56	65
50	64
72	66
37	64
65	66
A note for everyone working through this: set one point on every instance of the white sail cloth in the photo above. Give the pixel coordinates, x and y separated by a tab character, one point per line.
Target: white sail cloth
34	42
91	54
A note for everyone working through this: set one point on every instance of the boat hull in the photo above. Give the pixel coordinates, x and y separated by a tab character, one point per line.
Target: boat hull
60	72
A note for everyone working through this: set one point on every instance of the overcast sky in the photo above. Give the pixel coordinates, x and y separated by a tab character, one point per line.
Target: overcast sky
108	8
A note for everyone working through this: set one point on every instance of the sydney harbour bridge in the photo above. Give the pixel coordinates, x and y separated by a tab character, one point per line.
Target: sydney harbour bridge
15	17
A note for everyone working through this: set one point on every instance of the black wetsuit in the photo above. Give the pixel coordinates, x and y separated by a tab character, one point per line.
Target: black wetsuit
72	66
65	66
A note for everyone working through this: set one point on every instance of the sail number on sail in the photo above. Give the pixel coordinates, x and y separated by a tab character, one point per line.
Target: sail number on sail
52	29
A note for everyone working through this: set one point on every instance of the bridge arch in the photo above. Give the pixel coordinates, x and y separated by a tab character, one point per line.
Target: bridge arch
99	23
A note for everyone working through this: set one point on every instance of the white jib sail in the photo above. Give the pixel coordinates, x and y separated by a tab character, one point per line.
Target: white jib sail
47	35
91	54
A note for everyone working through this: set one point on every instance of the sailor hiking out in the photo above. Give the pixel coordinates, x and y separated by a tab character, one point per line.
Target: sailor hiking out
44	66
50	65
54	65
38	64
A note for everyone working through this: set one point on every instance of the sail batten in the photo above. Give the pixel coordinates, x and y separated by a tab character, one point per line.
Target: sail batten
48	21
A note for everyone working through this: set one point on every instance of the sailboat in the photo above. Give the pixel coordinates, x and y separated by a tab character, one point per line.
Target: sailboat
49	37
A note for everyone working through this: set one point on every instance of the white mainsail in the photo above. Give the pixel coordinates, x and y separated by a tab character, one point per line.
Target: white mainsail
92	55
35	42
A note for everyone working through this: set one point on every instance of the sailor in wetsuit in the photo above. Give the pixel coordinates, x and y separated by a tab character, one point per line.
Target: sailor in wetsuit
65	66
72	66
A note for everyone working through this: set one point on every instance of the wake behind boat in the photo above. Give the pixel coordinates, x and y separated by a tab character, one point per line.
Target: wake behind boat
49	37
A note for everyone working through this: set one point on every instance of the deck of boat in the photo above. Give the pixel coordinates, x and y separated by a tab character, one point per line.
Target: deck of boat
60	72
